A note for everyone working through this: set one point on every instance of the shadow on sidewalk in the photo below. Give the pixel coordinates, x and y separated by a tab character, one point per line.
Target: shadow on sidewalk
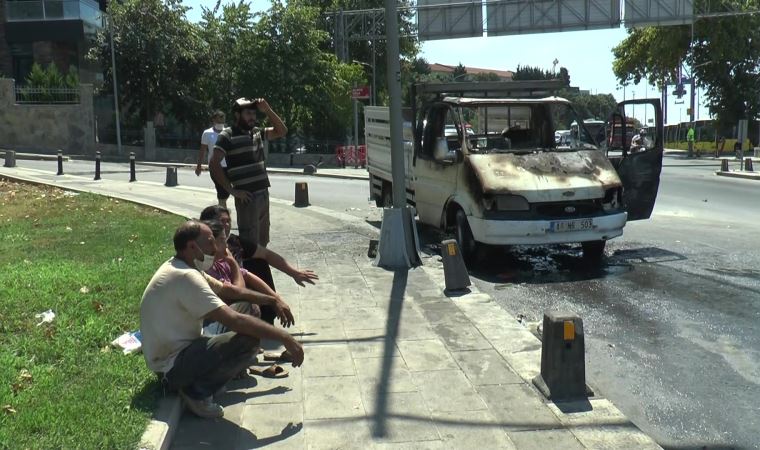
400	277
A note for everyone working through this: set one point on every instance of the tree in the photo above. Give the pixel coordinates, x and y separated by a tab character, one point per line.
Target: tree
158	58
486	76
459	73
533	73
564	75
730	81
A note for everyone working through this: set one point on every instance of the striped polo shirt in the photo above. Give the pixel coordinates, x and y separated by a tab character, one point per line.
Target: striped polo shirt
244	152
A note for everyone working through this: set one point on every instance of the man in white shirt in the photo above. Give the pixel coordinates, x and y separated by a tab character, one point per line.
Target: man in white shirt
208	140
173	307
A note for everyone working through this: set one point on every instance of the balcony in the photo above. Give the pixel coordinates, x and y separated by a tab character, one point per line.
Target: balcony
54	10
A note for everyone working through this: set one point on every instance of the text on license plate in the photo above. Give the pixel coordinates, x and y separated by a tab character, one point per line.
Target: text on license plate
559	226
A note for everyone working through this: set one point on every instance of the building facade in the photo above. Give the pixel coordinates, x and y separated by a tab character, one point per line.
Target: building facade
49	31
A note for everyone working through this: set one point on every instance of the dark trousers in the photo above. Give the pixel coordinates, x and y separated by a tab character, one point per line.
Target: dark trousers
208	363
261	269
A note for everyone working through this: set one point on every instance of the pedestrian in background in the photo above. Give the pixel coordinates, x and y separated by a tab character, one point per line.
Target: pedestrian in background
208	140
690	141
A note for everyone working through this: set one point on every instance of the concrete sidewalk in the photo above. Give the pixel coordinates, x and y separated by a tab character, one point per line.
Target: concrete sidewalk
391	362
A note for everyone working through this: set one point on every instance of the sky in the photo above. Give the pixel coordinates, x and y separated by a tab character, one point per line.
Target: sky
587	55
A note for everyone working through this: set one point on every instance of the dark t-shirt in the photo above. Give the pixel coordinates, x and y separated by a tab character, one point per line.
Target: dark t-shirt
244	152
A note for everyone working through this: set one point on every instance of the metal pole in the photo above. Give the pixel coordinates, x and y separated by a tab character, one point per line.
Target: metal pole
115	88
394	92
60	162
356	124
97	165
374	76
132	167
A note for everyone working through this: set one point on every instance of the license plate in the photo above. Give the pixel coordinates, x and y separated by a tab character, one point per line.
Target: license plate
560	226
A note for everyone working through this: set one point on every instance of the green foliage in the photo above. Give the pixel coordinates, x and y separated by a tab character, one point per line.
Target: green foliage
42	84
88	259
534	73
488	76
654	54
459	73
589	105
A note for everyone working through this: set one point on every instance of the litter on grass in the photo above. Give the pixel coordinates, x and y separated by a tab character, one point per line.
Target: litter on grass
129	342
45	317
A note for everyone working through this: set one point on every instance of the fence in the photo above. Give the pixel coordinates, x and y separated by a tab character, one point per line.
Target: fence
46	96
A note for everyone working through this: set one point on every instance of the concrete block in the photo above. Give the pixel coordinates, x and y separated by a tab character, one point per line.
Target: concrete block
301	195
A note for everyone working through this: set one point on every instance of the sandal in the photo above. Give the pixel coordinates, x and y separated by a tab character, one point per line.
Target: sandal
278	357
273	371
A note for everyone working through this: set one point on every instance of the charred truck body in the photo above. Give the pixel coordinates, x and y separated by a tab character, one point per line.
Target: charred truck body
482	161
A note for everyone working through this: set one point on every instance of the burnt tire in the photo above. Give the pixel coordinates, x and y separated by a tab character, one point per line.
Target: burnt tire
593	251
467	244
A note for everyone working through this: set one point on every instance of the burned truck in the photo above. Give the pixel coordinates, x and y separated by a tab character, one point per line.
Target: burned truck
482	161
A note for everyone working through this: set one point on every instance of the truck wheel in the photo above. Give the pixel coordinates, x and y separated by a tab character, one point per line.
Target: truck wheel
467	244
593	251
386	199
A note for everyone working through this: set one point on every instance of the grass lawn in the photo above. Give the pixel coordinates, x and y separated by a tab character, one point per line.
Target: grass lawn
88	258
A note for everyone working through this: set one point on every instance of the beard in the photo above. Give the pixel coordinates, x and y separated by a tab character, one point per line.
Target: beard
246	125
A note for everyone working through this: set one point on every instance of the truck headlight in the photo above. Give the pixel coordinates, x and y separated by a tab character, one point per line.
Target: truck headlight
511	203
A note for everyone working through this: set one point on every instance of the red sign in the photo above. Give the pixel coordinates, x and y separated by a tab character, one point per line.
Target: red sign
361	92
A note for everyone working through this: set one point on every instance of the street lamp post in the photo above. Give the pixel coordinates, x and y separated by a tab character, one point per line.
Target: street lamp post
115	88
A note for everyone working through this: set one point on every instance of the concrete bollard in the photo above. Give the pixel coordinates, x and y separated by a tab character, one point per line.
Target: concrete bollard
97	166
132	176
302	194
748	165
10	158
724	165
454	269
171	177
60	162
309	169
563	364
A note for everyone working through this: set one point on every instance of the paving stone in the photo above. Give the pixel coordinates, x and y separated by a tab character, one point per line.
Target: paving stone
545	439
483	367
626	438
419	331
194	432
369	343
271	390
517	407
428	354
419	445
319	332
365	319
471	430
344	434
278	426
318	310
527	364
370	375
332	397
328	361
405	417
448	390
461	336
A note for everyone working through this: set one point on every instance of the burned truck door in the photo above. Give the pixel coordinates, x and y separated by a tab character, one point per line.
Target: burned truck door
635	148
437	161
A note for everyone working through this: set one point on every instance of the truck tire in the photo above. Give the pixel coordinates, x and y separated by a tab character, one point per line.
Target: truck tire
386	197
593	251
467	244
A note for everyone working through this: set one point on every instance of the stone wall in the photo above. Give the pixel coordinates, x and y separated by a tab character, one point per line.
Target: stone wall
47	128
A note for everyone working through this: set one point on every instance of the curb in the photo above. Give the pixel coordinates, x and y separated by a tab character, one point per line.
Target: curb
35	156
745	175
318	174
160	431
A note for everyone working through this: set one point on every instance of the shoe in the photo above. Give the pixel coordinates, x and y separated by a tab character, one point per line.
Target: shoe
203	408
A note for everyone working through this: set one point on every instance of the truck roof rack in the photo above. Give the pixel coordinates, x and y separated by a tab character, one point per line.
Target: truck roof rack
518	89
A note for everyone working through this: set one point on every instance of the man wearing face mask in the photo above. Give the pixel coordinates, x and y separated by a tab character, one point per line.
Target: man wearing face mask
176	301
208	140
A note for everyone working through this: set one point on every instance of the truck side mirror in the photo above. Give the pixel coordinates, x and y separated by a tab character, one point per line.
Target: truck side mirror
442	153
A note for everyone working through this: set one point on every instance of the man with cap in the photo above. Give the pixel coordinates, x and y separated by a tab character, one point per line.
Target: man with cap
242	146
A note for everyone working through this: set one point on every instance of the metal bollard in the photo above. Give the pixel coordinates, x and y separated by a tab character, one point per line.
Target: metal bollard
454	269
10	158
302	194
171	177
132	167
60	162
748	165
563	363
97	166
724	165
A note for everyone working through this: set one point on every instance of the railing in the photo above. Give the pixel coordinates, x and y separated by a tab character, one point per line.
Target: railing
46	96
35	10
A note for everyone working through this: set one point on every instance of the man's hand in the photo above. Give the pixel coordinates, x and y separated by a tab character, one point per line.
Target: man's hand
262	105
243	196
304	276
295	349
198	170
283	313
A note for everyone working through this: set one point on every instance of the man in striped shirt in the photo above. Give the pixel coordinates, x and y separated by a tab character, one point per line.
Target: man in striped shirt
242	145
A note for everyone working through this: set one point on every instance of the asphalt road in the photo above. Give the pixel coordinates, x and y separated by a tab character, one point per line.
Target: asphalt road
671	318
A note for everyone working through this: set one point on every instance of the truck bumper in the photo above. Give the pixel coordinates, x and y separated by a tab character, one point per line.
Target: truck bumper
534	232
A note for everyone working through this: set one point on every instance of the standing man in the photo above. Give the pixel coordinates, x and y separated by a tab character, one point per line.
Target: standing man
690	141
242	145
208	140
175	303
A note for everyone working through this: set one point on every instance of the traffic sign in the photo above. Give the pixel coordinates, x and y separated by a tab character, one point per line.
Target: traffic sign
361	92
